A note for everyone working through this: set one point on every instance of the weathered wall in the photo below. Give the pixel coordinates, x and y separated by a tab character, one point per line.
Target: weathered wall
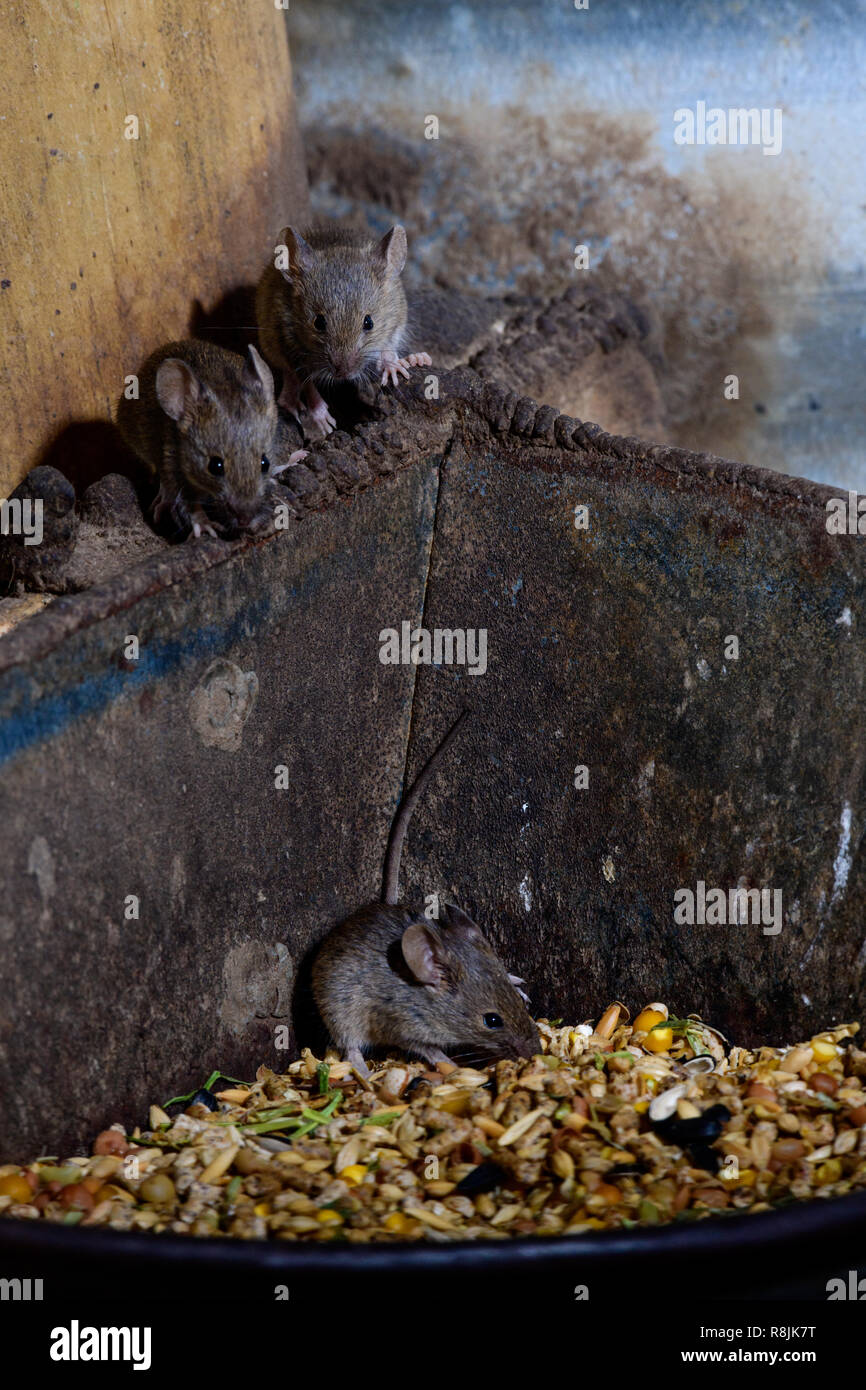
604	648
108	242
556	128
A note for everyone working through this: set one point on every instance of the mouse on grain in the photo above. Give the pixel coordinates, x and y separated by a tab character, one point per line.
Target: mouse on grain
389	977
330	308
205	423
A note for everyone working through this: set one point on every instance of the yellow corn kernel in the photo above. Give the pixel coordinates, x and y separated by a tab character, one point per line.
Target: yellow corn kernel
659	1040
397	1221
353	1174
262	1209
744	1179
828	1172
641	1106
823	1050
647	1019
328	1216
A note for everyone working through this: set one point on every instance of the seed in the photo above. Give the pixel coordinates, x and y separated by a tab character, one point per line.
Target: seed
76	1195
649	1017
316	1165
353	1174
562	1164
219	1165
247	1162
328	1217
398	1221
234	1097
608	1021
16	1187
711	1196
489	1126
830	1171
519	1128
659	1040
607	1192
796	1059
758	1091
845	1141
857	1116
111	1141
158	1117
158	1189
820	1081
788	1150
823	1050
686	1110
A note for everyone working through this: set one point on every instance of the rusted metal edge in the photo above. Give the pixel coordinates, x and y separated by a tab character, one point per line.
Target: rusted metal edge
413	429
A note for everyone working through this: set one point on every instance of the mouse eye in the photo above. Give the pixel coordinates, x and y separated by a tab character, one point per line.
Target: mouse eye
266	463
368	323
319	322
216	466
493	1021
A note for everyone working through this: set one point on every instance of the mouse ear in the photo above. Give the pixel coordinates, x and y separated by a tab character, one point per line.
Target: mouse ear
456	920
391	251
177	387
300	256
424	954
257	373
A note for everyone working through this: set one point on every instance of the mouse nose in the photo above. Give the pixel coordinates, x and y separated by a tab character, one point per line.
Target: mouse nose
246	510
345	364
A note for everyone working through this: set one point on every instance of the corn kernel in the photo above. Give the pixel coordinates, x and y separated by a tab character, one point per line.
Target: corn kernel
328	1216
659	1040
641	1106
397	1221
823	1050
353	1174
647	1020
262	1209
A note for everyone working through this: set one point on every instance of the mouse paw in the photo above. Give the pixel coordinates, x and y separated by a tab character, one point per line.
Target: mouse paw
436	1057
390	365
419	359
201	526
294	457
320	417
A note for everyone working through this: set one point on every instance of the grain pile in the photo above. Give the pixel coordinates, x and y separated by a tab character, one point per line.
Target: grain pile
610	1126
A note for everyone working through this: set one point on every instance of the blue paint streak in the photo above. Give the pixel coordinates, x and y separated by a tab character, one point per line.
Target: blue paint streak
24	724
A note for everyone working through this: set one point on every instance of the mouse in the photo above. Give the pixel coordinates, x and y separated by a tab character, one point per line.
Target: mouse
331	308
390	977
205	424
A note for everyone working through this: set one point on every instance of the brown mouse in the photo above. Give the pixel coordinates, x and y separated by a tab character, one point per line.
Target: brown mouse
330	308
389	977
205	423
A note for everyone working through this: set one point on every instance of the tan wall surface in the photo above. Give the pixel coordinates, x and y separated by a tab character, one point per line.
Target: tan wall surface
107	242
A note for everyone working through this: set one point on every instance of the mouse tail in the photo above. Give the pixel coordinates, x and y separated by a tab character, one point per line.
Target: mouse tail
405	809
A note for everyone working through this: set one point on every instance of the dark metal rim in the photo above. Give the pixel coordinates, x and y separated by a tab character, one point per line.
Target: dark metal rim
795	1235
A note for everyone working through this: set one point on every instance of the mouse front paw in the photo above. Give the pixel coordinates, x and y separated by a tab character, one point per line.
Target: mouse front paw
201	525
294	457
390	365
